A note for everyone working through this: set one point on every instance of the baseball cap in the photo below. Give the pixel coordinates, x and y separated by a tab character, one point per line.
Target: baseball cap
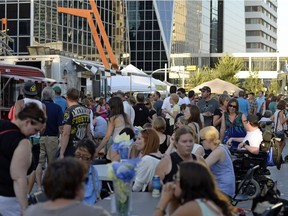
30	89
57	89
205	88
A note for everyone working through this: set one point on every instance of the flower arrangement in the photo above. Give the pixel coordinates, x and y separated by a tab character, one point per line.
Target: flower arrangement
122	174
122	145
137	130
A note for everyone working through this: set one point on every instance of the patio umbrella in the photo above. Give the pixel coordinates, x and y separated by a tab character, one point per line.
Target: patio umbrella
218	86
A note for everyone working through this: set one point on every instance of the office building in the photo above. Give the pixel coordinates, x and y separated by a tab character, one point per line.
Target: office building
160	30
227	27
38	23
261	25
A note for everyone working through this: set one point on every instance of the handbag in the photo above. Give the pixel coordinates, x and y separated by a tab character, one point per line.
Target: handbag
279	134
270	160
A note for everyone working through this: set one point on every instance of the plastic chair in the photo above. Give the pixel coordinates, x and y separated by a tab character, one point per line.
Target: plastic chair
240	194
274	210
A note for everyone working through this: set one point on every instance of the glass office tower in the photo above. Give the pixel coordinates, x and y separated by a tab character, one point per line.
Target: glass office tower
160	29
227	26
63	32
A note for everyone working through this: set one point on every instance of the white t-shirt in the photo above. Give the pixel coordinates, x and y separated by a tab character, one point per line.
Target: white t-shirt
184	100
128	109
254	137
167	105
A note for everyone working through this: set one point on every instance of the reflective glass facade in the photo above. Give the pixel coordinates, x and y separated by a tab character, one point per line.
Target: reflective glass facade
148	44
161	28
227	26
67	33
191	33
18	22
234	27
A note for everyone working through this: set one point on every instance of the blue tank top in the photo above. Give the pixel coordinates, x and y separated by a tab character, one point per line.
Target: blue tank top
224	173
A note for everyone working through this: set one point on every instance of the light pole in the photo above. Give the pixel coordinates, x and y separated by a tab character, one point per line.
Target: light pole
156	71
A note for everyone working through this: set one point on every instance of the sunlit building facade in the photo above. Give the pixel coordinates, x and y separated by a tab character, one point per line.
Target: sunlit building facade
160	30
38	23
261	25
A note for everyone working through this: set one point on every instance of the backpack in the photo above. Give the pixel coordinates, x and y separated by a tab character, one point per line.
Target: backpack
269	140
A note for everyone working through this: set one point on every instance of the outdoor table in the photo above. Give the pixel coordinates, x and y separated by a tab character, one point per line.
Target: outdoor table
143	204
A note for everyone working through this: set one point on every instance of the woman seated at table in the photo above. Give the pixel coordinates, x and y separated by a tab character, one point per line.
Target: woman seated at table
253	139
193	192
148	144
85	151
184	141
197	148
219	160
159	124
63	185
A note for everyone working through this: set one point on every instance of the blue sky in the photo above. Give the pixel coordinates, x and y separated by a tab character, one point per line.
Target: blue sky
282	26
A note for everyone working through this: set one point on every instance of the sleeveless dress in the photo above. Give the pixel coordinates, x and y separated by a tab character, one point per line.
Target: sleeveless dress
223	173
163	146
234	129
175	161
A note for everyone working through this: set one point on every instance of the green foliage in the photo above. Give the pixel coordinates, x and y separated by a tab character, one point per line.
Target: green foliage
274	87
252	83
198	77
226	69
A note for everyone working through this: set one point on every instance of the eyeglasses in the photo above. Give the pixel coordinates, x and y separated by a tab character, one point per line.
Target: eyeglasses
82	157
230	105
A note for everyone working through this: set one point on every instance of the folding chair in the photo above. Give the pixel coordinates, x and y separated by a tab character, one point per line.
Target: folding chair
274	210
240	194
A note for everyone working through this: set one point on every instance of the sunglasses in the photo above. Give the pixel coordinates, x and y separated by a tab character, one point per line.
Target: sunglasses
82	157
232	106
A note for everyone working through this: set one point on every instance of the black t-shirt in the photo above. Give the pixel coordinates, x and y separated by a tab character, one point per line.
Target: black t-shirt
10	136
151	113
78	117
218	112
141	114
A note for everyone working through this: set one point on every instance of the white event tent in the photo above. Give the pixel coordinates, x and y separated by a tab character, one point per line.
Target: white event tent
133	79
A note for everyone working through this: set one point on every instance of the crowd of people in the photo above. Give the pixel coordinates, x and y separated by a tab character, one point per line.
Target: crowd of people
184	139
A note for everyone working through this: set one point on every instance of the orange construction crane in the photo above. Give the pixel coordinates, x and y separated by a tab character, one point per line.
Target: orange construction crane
87	15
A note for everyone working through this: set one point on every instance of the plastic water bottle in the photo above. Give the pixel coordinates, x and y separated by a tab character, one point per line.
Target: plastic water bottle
156	186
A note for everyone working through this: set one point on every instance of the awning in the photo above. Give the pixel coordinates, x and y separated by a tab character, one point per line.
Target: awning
25	74
95	68
20	70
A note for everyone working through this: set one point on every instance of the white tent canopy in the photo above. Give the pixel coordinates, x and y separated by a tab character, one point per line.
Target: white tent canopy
131	69
134	83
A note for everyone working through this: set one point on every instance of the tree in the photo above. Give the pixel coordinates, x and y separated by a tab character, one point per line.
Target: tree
274	87
199	77
226	69
253	83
